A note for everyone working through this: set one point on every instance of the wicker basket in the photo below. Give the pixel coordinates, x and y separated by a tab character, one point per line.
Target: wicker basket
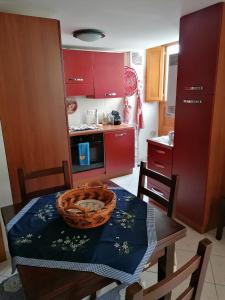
86	207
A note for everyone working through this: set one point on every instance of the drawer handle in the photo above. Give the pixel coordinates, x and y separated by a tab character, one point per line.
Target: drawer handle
154	190
110	94
76	79
120	134
160	151
159	165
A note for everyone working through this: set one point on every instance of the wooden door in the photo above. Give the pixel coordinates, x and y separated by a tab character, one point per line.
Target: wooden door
108	75
119	151
191	155
78	72
199	44
32	107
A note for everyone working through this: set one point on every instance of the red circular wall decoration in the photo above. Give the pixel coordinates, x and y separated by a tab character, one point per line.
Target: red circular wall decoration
130	81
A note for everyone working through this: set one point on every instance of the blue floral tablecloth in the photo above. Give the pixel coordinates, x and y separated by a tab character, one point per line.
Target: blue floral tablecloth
119	249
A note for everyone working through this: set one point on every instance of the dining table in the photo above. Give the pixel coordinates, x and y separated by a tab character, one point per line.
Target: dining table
44	283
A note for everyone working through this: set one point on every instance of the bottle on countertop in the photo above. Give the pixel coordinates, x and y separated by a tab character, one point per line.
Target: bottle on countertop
104	119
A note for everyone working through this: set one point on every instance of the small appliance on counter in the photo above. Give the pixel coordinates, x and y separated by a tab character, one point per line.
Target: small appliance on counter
115	118
92	116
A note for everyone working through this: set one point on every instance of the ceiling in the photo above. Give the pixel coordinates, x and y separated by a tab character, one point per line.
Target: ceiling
128	24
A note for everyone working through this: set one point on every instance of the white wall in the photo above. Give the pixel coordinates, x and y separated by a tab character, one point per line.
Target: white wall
5	190
150	109
102	105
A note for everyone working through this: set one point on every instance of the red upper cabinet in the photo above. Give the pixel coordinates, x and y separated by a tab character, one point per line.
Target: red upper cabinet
108	75
78	72
199	44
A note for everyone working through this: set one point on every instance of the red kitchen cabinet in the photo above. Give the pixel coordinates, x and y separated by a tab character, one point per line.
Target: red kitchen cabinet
191	152
199	44
159	160
78	72
119	151
199	148
108	75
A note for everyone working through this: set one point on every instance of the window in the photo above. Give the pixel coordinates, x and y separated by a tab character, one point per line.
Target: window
171	77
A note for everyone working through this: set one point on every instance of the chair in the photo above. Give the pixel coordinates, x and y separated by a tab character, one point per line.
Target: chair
196	267
167	204
24	177
221	219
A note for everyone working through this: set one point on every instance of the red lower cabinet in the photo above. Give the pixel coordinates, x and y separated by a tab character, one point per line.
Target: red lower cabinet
119	151
159	160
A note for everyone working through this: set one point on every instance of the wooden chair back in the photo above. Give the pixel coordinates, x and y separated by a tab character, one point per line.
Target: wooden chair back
23	177
167	204
196	267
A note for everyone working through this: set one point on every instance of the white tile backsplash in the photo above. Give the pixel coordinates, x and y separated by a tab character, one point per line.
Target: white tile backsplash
102	105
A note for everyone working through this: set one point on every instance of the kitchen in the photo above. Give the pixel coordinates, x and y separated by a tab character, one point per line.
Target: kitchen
55	130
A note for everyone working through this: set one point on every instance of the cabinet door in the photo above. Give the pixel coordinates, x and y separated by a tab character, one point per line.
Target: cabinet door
108	75
190	155
78	72
199	44
154	74
119	151
35	131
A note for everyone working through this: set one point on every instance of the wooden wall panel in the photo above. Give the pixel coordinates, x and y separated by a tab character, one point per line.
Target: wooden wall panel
32	106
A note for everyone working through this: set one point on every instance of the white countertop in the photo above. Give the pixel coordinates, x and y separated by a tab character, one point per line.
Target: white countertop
164	139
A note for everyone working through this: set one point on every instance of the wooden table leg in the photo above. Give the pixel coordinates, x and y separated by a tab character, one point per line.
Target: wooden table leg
165	266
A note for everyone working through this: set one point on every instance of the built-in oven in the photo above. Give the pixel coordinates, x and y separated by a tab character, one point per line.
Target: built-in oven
92	157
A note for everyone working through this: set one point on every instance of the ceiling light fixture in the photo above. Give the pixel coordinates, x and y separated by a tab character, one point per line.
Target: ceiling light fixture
88	35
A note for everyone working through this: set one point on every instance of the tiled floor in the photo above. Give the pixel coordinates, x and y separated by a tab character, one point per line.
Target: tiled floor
214	287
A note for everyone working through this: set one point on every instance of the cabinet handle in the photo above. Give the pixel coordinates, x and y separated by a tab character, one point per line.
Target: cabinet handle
192	101
194	88
120	134
160	151
76	79
157	191
159	165
110	94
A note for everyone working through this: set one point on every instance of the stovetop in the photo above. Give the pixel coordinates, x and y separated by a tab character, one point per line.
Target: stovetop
82	127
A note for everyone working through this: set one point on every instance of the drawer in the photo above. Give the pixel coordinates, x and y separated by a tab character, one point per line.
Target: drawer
158	188
161	167
157	152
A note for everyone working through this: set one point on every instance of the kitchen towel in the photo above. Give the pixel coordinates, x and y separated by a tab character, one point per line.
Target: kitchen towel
84	153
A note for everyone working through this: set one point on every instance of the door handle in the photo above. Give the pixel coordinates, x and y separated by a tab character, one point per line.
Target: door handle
110	94
120	134
160	151
76	79
159	165
194	88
